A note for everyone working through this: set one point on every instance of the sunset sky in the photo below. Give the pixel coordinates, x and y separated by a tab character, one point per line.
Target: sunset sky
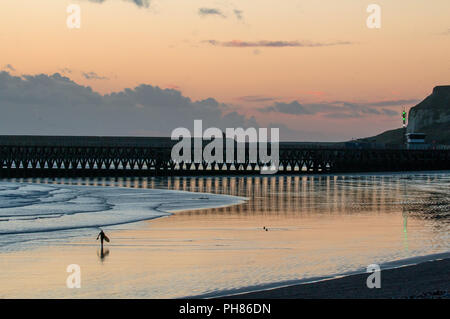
312	68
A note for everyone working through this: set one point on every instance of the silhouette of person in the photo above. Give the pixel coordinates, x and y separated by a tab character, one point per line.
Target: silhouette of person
102	237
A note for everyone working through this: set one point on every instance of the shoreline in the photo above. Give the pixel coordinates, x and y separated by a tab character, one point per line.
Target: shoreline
289	284
427	279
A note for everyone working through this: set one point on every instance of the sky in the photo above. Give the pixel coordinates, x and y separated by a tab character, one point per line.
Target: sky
136	67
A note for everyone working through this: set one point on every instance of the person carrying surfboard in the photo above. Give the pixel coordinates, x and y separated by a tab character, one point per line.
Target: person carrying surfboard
102	237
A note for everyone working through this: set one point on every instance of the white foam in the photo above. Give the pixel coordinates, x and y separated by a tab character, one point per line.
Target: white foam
29	212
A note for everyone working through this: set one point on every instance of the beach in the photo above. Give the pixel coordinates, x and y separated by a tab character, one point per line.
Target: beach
429	280
318	227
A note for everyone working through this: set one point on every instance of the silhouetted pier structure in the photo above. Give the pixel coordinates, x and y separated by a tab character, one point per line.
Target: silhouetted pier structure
30	156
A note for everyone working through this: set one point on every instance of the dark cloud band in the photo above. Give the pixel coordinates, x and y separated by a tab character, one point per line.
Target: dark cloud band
93	76
210	12
274	44
56	105
338	109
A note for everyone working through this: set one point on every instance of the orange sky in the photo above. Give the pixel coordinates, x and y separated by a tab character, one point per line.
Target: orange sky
165	45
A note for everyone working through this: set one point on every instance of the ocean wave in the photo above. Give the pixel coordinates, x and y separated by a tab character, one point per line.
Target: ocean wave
30	212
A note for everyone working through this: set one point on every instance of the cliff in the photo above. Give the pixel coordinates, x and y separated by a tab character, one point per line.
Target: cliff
434	110
431	116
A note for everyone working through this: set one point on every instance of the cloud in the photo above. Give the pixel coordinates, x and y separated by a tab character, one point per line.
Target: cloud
238	14
337	109
173	86
210	12
56	105
93	76
274	44
289	108
139	3
394	102
255	98
9	67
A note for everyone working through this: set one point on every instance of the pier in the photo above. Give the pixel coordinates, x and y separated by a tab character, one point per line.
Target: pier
53	156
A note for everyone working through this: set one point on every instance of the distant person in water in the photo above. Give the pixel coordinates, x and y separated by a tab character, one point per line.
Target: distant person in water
102	237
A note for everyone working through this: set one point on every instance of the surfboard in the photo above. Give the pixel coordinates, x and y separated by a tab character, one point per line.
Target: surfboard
107	239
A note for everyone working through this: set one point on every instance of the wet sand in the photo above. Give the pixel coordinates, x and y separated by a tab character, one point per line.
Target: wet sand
425	280
317	227
201	254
